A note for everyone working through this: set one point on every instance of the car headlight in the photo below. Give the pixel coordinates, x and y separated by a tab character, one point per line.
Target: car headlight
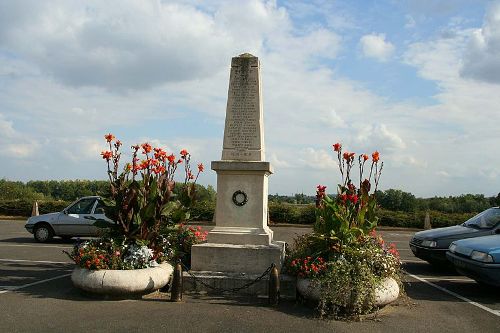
481	256
452	248
429	243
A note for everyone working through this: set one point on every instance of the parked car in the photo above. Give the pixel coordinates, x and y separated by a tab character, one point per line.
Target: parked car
75	220
431	245
477	258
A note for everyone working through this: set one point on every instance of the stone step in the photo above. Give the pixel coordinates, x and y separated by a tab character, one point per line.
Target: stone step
219	283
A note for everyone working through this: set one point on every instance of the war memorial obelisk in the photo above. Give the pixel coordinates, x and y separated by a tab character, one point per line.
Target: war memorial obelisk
241	242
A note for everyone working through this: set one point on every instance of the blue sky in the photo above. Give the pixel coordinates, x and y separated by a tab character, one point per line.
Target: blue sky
416	80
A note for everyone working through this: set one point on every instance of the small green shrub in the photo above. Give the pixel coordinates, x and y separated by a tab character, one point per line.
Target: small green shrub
24	207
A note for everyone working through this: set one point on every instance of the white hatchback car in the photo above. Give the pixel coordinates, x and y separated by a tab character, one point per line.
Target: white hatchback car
75	220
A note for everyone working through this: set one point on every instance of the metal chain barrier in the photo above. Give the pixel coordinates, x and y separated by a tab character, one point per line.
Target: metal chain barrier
231	290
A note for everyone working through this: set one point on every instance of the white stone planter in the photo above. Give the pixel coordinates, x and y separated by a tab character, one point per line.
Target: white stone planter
385	293
122	282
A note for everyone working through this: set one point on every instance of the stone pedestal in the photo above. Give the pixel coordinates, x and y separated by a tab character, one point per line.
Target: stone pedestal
241	242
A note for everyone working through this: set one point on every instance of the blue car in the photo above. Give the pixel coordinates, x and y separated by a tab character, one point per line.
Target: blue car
477	258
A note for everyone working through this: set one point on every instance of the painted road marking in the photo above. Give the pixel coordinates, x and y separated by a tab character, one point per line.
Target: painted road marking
416	261
39	246
465	299
34	283
36	261
449	279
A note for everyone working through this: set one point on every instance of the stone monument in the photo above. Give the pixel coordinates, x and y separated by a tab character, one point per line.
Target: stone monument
241	242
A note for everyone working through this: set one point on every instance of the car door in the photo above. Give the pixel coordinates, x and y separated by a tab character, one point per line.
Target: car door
75	219
98	214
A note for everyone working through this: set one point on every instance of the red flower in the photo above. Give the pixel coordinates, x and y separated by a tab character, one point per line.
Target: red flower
146	148
353	199
160	154
201	167
109	137
337	146
159	169
365	157
184	153
375	156
171	158
348	156
144	165
107	155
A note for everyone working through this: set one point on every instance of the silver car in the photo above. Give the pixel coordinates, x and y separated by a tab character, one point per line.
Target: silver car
75	220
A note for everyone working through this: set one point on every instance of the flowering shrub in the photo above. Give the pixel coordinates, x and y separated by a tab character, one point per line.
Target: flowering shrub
343	253
142	202
308	266
142	195
139	256
183	237
353	211
109	253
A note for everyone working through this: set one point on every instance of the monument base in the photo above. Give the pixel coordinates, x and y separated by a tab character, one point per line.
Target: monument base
240	259
241	236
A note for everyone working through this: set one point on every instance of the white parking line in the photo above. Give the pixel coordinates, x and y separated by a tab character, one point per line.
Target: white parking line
38	246
485	308
36	261
448	279
410	261
34	283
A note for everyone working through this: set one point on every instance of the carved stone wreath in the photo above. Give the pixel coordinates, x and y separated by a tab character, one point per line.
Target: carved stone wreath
240	198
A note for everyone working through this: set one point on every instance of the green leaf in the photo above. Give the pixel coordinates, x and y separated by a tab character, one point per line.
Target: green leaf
153	190
168	208
108	202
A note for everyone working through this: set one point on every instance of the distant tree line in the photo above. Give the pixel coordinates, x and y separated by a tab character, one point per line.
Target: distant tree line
16	197
398	200
398	207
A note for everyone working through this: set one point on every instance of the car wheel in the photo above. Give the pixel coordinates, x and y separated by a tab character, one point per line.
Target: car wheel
43	233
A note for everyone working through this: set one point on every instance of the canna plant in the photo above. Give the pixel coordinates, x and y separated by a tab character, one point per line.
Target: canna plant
143	196
352	213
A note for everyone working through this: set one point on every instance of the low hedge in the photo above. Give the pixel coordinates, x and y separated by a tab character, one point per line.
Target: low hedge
416	219
23	207
278	213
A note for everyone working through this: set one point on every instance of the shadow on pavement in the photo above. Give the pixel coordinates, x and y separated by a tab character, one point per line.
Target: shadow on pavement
30	240
424	268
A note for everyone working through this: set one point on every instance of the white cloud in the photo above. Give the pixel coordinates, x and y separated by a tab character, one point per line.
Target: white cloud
482	57
372	136
80	71
116	44
6	129
375	46
316	159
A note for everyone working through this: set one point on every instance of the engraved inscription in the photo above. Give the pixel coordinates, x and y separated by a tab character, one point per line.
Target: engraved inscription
243	129
243	125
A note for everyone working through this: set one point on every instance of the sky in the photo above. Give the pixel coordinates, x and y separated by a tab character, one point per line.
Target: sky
419	81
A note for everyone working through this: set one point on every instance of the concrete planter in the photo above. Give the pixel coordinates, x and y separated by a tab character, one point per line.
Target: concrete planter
122	282
387	292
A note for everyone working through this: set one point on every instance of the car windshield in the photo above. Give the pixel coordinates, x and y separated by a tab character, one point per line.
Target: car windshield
83	206
484	220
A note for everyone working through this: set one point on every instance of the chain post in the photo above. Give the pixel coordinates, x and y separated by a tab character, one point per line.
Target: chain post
176	292
274	286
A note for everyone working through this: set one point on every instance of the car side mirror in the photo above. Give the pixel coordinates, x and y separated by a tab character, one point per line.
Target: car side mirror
65	212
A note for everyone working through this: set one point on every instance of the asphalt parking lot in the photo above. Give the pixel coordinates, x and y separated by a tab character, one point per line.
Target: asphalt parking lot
36	294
